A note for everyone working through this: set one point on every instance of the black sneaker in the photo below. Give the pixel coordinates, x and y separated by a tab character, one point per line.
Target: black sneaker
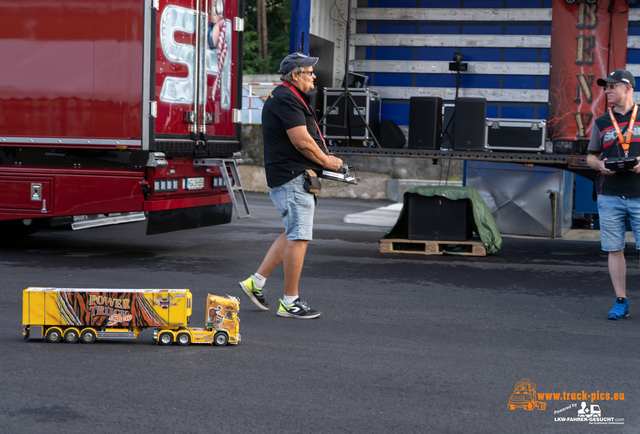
255	295
297	309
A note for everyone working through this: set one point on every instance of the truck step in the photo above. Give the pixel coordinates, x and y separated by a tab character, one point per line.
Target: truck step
433	247
233	183
115	335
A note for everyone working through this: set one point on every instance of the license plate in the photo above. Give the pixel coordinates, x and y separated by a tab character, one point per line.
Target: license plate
195	183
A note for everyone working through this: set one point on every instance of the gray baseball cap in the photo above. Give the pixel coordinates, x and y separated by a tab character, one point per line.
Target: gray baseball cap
618	76
294	60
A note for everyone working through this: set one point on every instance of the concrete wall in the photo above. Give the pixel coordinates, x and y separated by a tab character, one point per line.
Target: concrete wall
374	173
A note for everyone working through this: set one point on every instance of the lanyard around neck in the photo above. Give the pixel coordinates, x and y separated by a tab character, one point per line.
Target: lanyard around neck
295	90
625	142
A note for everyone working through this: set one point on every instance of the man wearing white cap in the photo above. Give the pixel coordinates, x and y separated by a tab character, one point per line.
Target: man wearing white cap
613	151
293	144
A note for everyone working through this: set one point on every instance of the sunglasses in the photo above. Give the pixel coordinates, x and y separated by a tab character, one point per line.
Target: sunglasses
612	86
306	72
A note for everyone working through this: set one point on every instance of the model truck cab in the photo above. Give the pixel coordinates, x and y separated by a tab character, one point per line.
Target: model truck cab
85	315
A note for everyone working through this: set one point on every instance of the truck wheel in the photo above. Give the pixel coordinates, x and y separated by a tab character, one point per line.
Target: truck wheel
22	227
88	336
165	338
542	405
530	406
220	339
71	336
183	339
54	336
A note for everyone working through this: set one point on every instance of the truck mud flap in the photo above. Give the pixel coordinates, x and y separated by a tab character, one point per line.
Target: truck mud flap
160	222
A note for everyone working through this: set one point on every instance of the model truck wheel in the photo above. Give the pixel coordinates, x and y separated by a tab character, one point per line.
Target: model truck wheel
183	339
54	336
71	336
220	339
165	338
88	336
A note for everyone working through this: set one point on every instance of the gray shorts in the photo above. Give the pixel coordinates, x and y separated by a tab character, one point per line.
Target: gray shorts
296	208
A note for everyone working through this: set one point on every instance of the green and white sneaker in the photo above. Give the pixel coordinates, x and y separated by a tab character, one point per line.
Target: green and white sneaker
297	309
248	286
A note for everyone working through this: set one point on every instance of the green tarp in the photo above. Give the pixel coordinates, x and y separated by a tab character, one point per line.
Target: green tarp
484	224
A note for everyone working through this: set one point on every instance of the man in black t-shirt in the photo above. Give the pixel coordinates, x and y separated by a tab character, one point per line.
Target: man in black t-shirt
292	144
615	135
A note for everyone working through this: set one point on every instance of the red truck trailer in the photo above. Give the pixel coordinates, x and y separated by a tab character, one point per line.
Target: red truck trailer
116	110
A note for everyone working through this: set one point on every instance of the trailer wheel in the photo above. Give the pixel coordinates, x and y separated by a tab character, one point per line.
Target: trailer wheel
54	336
88	336
183	339
221	339
165	338
71	336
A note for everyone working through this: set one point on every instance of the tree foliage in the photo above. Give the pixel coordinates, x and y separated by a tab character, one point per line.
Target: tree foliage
278	25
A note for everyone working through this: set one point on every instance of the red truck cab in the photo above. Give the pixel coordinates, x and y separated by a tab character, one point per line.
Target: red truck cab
118	107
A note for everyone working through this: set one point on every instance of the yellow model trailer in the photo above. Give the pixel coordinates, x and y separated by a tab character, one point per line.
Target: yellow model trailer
76	314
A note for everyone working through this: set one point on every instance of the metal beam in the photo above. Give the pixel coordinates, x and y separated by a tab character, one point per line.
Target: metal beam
435	67
482	41
452	14
504	95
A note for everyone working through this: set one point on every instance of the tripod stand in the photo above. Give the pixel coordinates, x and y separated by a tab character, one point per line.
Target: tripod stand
457	65
346	96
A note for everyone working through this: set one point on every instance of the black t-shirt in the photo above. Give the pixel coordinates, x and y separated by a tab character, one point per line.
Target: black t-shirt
282	111
604	139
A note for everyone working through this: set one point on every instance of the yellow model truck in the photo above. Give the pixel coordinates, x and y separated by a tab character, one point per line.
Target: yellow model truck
72	315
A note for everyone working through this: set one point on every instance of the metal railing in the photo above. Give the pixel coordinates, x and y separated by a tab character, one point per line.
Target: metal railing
250	88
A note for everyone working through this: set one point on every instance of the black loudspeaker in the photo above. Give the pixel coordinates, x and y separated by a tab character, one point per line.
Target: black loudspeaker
469	129
391	135
425	122
438	218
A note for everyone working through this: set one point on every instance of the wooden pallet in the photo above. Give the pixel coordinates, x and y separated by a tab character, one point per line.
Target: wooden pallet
430	247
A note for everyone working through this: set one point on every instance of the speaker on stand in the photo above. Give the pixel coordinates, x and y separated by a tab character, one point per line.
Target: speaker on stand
469	124
425	122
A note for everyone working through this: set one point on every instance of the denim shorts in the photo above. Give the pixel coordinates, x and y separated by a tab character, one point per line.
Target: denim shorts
296	208
613	212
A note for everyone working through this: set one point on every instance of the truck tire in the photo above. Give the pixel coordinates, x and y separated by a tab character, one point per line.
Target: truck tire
165	338
54	336
22	227
221	339
71	336
183	339
88	336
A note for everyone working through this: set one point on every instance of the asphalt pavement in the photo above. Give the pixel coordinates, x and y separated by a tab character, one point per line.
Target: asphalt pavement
406	343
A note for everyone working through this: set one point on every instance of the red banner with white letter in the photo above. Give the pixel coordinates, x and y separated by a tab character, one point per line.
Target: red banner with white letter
587	42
